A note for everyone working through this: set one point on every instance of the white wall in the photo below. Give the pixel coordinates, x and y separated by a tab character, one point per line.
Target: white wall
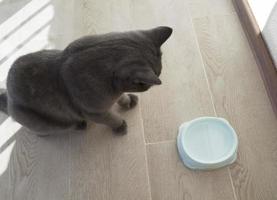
265	12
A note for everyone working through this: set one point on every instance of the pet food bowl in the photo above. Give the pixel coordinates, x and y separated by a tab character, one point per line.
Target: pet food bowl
207	143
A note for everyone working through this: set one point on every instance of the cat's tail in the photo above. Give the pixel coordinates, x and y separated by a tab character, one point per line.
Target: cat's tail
3	101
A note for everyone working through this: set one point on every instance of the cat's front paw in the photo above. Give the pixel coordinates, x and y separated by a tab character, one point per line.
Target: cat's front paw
80	126
128	101
122	129
133	100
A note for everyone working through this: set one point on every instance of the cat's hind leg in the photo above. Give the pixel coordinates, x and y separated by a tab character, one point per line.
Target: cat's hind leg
41	124
128	101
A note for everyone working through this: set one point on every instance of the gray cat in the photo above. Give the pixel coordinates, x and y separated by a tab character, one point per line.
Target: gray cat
53	90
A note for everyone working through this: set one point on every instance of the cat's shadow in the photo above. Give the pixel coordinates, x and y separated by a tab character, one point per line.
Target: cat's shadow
26	155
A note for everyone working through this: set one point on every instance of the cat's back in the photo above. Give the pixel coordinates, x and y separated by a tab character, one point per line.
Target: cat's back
41	60
33	74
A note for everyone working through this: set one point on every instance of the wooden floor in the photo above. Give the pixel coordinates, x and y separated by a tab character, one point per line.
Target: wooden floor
208	70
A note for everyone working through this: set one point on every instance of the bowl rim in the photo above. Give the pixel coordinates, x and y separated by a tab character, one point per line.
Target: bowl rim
185	126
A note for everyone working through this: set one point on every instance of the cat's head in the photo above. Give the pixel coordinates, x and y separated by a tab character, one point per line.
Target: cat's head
140	66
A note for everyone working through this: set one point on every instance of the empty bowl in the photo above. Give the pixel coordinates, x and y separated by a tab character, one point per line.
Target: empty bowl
207	143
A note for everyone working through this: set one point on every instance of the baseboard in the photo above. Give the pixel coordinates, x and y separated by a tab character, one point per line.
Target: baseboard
259	48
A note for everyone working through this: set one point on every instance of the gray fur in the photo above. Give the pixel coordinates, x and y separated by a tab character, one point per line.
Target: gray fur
54	90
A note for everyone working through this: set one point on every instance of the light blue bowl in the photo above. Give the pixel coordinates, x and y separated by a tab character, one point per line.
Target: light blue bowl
207	143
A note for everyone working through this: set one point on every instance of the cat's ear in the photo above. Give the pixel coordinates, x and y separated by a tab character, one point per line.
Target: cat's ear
159	35
146	77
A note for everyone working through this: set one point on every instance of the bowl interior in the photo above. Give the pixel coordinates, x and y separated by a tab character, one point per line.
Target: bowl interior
209	140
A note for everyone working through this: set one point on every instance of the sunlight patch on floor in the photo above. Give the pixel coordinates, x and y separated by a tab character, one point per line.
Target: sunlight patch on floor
7	129
38	42
5	157
26	31
18	18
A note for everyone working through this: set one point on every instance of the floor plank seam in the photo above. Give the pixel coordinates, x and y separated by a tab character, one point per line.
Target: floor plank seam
217	15
145	153
70	167
209	88
159	142
10	180
232	183
204	69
